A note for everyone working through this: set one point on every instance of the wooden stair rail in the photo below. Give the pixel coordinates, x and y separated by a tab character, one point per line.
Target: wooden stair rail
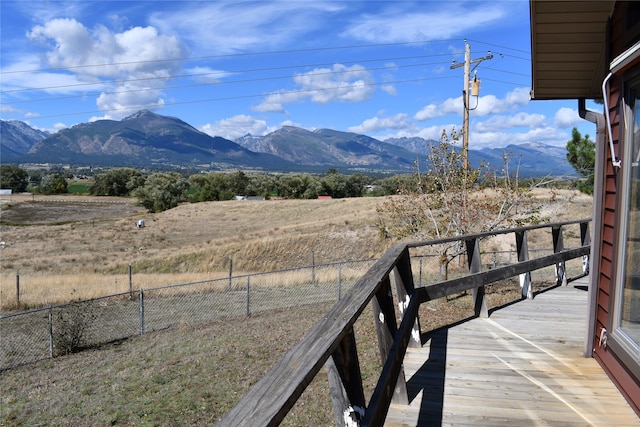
331	342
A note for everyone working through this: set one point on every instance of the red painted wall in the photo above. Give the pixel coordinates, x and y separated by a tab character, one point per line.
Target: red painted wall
625	381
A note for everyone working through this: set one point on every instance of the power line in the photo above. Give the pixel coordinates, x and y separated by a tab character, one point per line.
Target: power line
231	55
254	70
214	73
230	98
165	88
503	82
501	46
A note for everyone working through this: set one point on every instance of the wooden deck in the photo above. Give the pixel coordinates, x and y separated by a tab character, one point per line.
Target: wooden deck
522	366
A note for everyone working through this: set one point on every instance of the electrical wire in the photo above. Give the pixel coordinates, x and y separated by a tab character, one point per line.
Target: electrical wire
230	98
500	46
231	55
254	70
214	73
165	88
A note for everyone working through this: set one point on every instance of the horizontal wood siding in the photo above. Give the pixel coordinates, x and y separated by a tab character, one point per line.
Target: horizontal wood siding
610	232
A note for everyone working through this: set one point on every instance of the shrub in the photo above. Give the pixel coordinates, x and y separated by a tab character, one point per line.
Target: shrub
70	328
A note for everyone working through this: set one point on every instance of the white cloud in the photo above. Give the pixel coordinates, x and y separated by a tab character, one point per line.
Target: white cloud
545	135
375	124
8	109
58	126
227	27
323	85
507	122
390	89
206	74
431	111
566	117
130	67
400	24
274	103
490	104
484	105
237	126
435	132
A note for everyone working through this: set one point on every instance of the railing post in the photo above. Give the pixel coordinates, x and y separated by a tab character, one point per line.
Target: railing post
386	328
345	382
522	248
585	240
558	246
475	266
404	288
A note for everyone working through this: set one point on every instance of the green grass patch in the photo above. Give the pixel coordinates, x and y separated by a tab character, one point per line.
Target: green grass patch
78	188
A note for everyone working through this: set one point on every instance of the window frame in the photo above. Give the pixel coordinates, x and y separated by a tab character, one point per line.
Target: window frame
620	343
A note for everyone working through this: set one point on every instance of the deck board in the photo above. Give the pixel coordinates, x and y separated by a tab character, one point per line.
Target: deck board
522	366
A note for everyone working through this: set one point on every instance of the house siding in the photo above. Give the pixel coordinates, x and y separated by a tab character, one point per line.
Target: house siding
625	381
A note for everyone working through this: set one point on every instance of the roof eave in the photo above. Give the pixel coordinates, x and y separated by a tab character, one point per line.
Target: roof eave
568	48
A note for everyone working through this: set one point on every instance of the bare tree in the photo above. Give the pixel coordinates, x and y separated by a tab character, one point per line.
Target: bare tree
450	199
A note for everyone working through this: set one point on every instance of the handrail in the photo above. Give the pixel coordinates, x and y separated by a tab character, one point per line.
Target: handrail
331	340
300	365
496	233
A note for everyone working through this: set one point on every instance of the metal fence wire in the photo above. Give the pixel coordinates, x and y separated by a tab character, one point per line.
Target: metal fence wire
35	335
39	334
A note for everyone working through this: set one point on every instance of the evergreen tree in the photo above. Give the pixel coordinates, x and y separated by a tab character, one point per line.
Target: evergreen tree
581	153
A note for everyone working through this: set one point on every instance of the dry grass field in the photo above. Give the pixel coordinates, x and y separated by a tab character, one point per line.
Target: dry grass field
73	254
195	374
78	247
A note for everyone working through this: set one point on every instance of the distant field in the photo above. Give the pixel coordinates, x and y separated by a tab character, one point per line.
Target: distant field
70	247
75	243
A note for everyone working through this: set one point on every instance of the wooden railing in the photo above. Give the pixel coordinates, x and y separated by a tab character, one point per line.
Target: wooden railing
331	342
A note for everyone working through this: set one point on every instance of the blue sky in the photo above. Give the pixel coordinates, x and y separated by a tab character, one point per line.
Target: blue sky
228	68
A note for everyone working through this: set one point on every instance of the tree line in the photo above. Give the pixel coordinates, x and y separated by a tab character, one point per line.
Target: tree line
160	191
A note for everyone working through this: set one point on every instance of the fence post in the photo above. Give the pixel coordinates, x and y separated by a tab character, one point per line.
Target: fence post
313	267
230	271
50	332
18	289
141	312
247	312
130	283
420	277
339	281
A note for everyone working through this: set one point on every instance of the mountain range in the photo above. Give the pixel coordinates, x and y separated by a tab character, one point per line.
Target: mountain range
147	139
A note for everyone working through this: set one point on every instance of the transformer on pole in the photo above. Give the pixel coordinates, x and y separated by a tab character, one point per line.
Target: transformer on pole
466	95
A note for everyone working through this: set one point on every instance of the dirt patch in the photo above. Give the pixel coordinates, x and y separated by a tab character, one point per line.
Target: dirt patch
56	212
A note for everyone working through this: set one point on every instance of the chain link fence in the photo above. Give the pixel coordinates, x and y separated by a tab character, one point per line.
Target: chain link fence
44	333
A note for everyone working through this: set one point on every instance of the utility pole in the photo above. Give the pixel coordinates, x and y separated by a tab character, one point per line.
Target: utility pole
465	96
465	127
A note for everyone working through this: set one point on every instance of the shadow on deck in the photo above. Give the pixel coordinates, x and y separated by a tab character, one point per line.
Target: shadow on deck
522	366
